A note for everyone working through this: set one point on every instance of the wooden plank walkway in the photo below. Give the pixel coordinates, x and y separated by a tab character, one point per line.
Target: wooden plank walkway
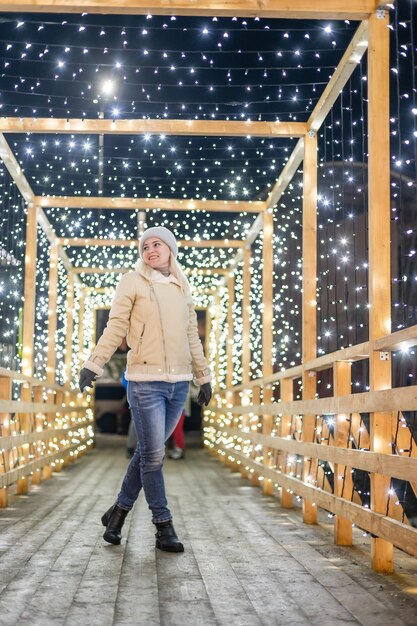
246	561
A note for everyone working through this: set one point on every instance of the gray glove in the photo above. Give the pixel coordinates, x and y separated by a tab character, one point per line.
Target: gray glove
204	396
86	378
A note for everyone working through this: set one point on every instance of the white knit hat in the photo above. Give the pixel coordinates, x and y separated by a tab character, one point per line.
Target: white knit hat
162	233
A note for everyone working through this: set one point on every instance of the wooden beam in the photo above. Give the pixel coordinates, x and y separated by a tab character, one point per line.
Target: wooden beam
162	204
400	340
102	270
309	306
230	330
25	424
133	243
344	70
29	291
45	461
52	238
15	170
12	441
69	309
229	128
122	270
379	244
267	327
290	373
296	9
25	189
348	63
52	314
294	161
389	400
217	334
256	397
406	337
246	314
107	290
358	352
342	476
401	467
5	395
285	431
253	232
267	293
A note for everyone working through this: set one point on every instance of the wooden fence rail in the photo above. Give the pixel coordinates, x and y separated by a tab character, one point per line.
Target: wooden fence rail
41	430
238	429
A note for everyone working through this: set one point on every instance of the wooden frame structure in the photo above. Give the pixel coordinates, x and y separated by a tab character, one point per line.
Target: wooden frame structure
245	414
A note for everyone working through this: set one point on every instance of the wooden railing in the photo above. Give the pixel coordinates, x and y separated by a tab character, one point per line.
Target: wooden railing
284	459
41	431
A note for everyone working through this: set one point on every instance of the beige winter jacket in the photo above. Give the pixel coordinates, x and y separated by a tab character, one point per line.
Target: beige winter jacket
156	315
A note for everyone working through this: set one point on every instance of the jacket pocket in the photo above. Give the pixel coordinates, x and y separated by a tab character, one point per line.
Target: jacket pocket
138	347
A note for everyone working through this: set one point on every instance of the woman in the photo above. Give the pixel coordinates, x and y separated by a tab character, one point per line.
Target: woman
154	310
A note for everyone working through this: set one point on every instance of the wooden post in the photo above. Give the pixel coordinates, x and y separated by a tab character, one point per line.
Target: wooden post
230	333
246	340
379	260
52	314
230	397
52	327
309	304
286	395
60	397
256	399
69	330
29	290
267	329
217	305
236	465
343	483
81	325
39	422
26	426
5	394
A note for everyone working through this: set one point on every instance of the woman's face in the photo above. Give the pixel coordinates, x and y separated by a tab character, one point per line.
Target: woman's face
156	253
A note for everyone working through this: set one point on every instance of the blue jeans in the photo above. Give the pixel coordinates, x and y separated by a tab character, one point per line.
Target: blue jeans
156	408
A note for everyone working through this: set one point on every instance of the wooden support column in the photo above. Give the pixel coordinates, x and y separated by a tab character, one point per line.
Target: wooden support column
286	395
343	483
29	291
267	329
230	333
52	315
38	422
229	354
246	340
217	311
379	260
5	394
256	399
309	305
69	330
81	324
26	426
60	398
52	327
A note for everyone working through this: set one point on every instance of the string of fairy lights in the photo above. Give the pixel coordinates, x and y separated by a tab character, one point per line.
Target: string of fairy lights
259	62
225	69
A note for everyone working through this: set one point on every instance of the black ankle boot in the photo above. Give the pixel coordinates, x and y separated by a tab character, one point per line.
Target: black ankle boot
114	519
166	538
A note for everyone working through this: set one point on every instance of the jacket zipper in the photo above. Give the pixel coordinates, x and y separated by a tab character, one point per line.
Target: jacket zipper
160	323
